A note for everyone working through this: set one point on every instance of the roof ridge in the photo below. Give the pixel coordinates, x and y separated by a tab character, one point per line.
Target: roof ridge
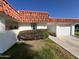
63	18
33	11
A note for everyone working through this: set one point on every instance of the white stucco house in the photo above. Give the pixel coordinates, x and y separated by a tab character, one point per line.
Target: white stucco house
12	22
62	26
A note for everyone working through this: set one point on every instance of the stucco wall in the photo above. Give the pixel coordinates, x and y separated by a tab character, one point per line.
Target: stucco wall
62	29
51	27
2	24
23	26
72	29
7	39
42	26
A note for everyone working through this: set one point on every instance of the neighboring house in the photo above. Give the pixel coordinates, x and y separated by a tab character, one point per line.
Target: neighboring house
12	22
62	26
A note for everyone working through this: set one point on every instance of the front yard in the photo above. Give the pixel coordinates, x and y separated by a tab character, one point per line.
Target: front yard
37	49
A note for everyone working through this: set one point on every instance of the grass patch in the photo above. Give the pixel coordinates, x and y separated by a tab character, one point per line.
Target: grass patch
77	33
58	51
51	51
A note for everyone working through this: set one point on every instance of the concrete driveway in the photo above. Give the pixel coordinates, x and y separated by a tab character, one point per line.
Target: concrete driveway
71	44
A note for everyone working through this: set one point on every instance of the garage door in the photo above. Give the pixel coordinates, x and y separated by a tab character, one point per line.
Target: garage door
63	31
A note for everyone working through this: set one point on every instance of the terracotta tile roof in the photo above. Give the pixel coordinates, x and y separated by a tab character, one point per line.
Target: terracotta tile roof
33	17
23	16
30	16
63	19
8	10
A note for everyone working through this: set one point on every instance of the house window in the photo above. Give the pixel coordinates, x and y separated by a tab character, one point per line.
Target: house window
34	26
11	25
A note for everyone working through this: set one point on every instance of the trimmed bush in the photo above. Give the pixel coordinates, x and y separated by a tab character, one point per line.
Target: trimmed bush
52	33
33	34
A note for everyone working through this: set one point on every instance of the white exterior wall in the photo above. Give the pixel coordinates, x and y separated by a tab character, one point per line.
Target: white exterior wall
23	26
42	26
7	39
72	29
51	27
62	29
2	24
16	32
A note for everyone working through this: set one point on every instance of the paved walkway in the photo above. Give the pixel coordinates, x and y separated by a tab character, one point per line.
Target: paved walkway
71	44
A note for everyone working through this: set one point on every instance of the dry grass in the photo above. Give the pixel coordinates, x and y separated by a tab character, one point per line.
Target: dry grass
37	49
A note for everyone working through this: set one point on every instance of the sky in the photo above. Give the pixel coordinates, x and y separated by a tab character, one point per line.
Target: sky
55	8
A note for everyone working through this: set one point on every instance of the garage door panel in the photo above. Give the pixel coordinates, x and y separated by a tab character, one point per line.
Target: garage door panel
63	31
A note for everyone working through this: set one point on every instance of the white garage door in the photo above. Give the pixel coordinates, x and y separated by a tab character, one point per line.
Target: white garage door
63	31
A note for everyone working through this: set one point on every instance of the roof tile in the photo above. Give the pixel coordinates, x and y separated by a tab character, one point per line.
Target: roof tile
34	17
30	16
63	20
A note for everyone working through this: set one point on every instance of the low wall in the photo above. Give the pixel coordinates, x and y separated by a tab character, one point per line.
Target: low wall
24	26
16	32
7	39
42	26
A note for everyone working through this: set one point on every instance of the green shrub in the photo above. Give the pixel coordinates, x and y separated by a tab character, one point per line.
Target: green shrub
33	34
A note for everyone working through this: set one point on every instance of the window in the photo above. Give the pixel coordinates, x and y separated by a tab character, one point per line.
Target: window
34	26
11	25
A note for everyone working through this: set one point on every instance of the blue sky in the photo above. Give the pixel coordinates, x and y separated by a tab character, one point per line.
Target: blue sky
56	8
